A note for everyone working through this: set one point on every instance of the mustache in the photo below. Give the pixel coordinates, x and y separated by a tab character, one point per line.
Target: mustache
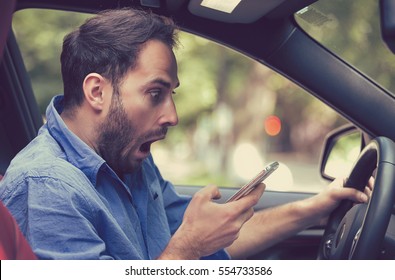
154	134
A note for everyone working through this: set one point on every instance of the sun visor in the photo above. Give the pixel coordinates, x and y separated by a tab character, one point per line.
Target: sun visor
233	11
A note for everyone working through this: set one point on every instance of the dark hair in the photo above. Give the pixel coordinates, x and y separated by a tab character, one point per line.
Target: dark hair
109	44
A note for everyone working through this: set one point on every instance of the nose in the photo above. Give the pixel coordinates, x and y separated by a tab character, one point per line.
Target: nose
169	115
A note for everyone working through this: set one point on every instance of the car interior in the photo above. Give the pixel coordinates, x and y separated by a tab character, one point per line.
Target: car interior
269	33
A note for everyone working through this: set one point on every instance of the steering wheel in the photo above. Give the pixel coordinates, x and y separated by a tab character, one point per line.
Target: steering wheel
357	231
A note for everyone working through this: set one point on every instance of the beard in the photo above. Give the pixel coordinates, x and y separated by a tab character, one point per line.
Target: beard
117	138
115	134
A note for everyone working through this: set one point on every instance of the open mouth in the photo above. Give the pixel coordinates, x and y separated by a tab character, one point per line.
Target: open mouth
146	147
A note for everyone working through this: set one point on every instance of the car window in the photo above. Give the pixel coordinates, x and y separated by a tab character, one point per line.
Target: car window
351	29
235	115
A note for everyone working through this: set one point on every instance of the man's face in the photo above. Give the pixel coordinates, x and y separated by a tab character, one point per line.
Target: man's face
141	110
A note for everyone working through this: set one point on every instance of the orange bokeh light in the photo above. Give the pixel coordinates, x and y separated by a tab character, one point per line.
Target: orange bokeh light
272	125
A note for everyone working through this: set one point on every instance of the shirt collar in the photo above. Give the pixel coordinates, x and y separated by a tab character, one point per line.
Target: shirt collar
77	152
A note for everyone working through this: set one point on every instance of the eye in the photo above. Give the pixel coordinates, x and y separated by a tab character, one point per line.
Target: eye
155	94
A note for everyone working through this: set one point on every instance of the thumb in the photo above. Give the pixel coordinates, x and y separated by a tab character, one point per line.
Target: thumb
211	192
352	194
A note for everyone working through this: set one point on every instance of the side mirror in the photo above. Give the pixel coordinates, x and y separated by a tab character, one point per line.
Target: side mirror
341	148
387	16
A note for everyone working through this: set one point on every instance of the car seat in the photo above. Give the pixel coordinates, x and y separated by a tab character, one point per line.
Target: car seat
13	245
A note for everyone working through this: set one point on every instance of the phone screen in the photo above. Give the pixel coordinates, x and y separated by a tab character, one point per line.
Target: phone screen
247	188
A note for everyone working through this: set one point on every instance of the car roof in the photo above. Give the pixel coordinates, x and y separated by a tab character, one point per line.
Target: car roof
245	19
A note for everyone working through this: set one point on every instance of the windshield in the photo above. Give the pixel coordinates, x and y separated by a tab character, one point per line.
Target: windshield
351	29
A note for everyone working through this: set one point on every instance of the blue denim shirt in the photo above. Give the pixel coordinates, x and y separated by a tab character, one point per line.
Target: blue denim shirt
71	205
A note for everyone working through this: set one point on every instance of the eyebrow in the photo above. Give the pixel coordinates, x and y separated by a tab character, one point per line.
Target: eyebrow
163	83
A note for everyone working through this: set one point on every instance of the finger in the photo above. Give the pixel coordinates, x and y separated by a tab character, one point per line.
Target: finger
370	183
243	217
250	200
368	191
209	192
352	194
248	215
257	192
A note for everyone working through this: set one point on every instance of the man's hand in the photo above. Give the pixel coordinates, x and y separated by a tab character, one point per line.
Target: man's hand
208	226
331	196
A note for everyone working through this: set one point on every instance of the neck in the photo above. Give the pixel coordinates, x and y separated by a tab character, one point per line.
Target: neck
82	126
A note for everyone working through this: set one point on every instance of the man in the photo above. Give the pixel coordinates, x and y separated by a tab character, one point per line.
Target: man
87	187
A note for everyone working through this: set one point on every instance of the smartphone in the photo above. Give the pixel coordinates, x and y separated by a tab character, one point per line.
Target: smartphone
247	188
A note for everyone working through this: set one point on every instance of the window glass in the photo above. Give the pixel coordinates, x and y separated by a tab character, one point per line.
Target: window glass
235	115
351	29
40	33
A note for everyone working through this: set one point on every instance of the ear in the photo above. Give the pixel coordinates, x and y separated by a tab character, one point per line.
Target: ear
93	87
